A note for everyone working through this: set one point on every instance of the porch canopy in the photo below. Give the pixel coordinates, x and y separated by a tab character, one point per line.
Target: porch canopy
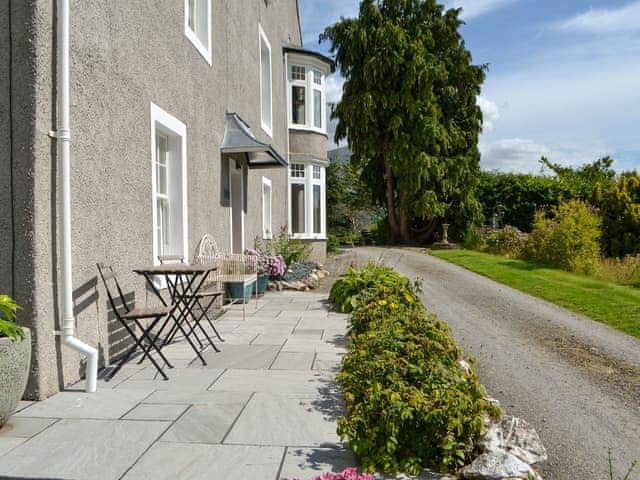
238	138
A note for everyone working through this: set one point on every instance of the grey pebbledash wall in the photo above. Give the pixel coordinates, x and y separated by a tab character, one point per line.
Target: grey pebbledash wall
124	55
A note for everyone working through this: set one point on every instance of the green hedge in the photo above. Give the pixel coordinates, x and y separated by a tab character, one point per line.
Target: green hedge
409	404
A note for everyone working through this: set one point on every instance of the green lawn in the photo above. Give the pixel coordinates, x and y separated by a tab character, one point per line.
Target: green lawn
615	305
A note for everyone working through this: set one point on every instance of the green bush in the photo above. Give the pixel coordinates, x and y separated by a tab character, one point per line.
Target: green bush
621	217
8	312
569	239
473	238
333	243
508	241
348	287
291	250
380	232
409	404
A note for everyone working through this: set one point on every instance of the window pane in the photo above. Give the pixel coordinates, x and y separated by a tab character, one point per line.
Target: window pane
266	209
192	15
317	210
317	108
298	72
297	208
164	235
317	77
265	67
316	172
298	105
296	170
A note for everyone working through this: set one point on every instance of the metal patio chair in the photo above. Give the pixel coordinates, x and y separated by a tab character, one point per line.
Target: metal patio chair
129	318
232	268
203	299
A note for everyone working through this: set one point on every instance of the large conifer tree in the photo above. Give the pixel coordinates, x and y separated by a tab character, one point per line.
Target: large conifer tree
409	112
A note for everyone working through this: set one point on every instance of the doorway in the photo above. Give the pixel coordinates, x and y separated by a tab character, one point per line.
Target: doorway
236	197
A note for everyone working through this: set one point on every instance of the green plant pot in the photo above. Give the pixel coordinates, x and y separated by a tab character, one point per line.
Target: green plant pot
238	292
263	280
15	359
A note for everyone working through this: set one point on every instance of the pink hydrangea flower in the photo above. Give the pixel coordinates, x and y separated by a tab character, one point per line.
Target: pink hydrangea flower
350	473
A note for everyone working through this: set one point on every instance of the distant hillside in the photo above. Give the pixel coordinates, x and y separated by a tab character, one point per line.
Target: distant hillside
340	155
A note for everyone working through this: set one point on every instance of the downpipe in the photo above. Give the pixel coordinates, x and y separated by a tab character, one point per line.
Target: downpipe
63	138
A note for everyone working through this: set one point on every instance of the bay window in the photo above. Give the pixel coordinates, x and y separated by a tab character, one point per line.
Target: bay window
307	200
307	98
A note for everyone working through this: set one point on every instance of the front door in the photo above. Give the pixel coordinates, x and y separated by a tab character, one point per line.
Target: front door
236	190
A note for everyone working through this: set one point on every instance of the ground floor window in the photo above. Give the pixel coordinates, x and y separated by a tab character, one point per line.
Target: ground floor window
266	208
307	197
169	180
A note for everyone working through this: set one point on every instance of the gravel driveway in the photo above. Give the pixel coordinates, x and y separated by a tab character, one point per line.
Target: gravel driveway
577	381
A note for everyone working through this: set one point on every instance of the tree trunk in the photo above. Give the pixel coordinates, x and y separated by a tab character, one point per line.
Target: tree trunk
405	235
394	228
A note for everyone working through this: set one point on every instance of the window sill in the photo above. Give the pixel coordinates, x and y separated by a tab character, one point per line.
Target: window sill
307	128
304	236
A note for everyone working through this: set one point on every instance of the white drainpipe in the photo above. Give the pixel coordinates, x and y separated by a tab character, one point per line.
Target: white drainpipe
63	137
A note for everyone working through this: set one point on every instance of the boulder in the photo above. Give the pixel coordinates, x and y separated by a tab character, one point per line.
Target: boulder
515	436
497	465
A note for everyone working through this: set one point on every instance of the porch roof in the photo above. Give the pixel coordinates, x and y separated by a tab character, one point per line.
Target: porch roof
238	138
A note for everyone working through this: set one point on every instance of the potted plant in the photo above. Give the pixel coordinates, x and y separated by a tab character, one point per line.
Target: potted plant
15	358
267	266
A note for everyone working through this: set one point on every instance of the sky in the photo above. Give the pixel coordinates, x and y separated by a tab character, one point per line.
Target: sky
563	78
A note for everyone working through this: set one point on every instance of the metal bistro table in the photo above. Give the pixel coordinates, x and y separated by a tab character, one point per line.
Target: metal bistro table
183	283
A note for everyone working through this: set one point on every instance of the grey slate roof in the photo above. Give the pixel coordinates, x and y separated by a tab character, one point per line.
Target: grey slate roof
238	138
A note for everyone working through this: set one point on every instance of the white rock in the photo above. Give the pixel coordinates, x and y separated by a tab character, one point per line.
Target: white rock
515	436
497	466
465	365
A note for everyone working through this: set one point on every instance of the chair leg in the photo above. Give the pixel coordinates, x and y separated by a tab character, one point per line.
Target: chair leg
146	333
204	314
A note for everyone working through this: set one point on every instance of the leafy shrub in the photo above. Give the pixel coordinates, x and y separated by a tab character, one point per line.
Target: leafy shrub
473	238
409	403
347	474
8	312
333	243
291	250
569	239
621	217
508	241
380	232
345	291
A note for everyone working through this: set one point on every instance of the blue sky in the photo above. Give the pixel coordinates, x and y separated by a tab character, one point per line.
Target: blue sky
563	80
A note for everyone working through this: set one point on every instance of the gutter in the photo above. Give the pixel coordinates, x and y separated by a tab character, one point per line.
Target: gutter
63	139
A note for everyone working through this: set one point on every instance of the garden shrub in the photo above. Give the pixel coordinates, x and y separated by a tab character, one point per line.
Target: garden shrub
569	239
623	271
345	291
621	217
333	243
291	250
8	326
508	241
473	238
408	402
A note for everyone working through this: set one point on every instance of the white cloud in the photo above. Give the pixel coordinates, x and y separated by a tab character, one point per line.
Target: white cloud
476	8
490	113
334	88
523	155
605	20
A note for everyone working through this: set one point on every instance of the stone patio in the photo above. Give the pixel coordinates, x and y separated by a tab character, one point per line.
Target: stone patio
263	408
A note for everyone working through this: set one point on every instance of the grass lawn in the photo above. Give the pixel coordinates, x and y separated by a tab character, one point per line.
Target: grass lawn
616	305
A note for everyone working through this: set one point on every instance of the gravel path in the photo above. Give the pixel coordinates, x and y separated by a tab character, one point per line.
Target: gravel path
577	381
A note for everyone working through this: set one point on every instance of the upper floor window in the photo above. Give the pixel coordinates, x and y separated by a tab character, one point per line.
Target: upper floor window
266	100
197	25
307	97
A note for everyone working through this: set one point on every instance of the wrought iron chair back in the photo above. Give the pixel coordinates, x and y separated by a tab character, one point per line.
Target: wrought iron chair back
108	276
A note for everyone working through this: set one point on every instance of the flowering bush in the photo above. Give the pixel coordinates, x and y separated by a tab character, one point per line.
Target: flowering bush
347	474
270	265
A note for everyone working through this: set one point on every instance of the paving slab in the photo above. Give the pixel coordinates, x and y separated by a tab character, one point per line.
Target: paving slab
308	333
306	463
82	449
197	398
298	420
144	411
243	356
268	339
191	379
190	461
24	427
103	404
205	423
325	322
295	344
9	443
293	361
328	361
272	381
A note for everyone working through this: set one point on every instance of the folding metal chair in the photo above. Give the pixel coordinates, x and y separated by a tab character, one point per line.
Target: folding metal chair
134	316
207	294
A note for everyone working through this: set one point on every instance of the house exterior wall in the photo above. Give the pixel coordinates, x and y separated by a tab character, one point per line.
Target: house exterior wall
308	143
6	223
124	56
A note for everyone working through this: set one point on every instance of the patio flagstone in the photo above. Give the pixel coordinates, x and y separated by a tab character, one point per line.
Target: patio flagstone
82	449
264	407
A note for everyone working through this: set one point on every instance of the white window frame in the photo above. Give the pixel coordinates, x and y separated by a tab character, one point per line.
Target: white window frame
308	181
267	224
309	84
262	37
174	127
203	49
